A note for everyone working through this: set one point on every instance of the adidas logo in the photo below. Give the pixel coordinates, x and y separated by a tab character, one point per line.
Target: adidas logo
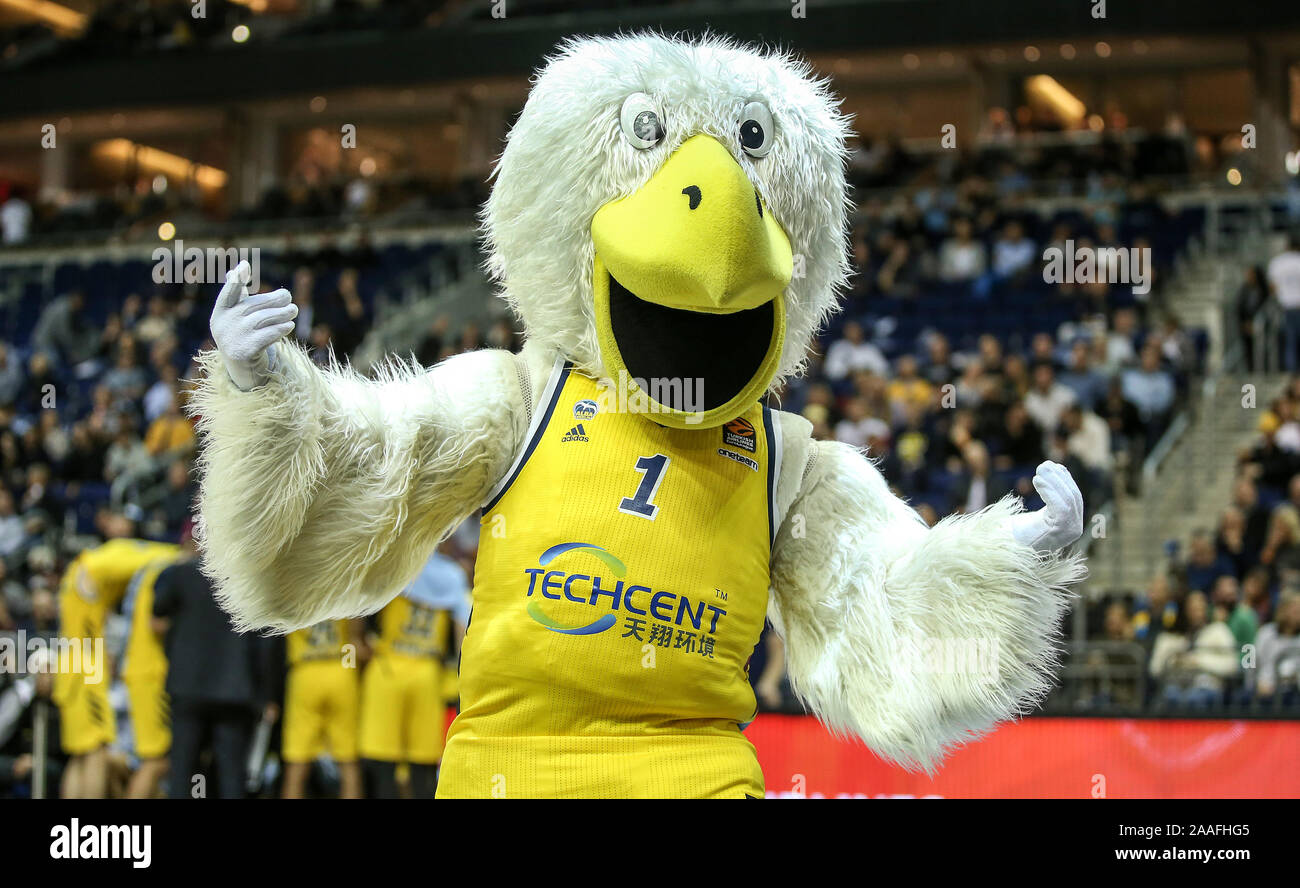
577	433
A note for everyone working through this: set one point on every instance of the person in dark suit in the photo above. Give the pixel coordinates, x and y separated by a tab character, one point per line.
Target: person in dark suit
219	681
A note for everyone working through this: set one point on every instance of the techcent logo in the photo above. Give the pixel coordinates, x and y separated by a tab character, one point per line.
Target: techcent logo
611	597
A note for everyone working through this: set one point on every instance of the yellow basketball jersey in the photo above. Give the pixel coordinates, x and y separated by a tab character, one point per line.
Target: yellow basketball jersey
91	587
409	628
321	642
96	580
144	649
621	586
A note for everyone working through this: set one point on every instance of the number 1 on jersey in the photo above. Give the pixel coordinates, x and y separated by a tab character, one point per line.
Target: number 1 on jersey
640	504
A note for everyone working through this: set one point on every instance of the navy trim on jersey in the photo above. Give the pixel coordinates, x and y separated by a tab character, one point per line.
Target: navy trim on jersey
535	437
460	651
773	468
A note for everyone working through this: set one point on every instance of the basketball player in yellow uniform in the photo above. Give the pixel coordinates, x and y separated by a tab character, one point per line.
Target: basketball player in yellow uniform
91	587
144	672
321	701
402	705
588	659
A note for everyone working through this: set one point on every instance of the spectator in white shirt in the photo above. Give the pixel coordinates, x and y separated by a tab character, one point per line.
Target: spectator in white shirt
962	258
1087	438
857	427
1284	282
1288	433
852	353
1196	666
1047	398
1119	343
15	220
12	530
1278	646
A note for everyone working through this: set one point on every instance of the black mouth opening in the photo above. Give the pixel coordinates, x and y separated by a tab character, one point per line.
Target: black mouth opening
686	351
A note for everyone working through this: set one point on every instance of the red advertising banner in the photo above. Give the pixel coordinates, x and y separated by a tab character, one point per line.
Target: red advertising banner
1046	758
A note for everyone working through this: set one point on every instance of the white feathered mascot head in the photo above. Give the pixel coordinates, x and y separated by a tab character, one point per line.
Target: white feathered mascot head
672	210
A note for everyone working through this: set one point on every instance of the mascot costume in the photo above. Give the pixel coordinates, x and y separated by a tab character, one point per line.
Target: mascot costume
668	220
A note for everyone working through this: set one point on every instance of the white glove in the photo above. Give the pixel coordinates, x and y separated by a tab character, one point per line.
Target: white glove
245	327
1060	522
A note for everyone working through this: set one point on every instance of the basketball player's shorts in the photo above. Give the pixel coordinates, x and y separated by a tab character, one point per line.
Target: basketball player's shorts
403	716
321	703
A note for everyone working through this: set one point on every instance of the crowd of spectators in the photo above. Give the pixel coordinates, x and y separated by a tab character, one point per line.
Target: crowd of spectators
94	440
1119	173
92	418
311	199
91	410
117	28
956	424
956	411
1220	624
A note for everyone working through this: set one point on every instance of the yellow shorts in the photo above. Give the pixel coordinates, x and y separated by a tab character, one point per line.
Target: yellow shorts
85	716
402	710
320	711
151	716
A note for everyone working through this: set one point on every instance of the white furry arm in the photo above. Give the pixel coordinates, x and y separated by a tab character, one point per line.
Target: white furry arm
323	492
915	639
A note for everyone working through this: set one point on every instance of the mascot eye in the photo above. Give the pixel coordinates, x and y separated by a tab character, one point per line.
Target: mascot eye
756	130
640	121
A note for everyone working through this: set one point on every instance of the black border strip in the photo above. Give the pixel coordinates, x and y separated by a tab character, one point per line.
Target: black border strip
771	475
537	436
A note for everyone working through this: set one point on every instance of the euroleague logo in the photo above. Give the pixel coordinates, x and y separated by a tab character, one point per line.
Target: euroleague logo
739	433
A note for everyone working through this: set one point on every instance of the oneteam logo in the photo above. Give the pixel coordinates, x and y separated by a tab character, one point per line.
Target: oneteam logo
535	606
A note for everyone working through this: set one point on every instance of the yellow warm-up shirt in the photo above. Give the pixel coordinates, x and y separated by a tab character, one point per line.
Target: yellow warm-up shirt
91	587
322	642
621	586
413	629
145	658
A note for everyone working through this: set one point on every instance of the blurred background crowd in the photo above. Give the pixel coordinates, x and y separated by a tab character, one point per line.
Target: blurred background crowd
957	362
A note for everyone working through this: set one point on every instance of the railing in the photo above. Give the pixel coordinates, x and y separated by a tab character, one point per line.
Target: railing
1113	678
1103	674
1234	221
398	226
1237	228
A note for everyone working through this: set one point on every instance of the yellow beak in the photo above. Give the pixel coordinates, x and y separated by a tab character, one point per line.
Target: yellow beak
696	240
696	236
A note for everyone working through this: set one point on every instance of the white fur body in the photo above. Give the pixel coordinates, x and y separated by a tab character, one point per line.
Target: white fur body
323	493
912	638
